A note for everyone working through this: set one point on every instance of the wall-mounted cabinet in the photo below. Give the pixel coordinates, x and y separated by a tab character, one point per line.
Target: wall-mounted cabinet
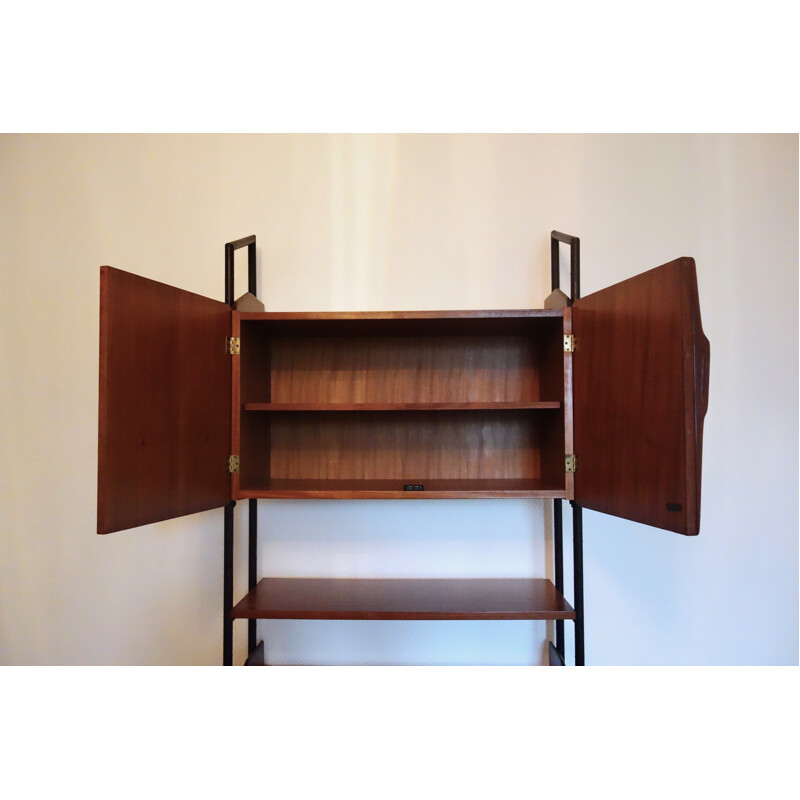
601	402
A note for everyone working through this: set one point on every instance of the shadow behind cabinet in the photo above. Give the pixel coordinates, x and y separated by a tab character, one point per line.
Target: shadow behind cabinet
601	402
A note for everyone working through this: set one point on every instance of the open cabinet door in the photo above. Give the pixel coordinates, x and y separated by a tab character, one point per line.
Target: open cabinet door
165	402
640	382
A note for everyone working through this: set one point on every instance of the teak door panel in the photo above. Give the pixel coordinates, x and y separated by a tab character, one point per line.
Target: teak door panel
165	402
640	396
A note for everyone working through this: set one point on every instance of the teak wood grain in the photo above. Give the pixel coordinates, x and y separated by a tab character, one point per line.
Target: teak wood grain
640	394
165	402
410	599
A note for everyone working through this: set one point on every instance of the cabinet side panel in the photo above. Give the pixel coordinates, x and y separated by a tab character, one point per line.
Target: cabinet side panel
255	451
697	356
165	403
236	403
569	443
255	362
637	410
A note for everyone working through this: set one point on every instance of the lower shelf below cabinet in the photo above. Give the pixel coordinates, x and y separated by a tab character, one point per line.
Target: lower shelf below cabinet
403	598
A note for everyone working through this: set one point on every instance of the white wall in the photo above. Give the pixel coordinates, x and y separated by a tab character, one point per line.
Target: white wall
396	222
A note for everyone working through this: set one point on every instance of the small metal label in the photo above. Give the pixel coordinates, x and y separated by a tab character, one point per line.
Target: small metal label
413	487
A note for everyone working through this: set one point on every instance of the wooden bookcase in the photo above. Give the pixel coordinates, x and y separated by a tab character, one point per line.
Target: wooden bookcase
600	402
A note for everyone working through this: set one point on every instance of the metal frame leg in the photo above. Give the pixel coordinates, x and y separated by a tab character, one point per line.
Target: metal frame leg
252	543
230	248
252	572
577	559
558	546
227	589
577	512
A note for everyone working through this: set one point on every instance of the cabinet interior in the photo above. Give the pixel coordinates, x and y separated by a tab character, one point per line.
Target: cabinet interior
458	405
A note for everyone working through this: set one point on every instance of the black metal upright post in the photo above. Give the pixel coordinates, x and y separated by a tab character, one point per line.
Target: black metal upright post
558	525
252	572
577	560
577	512
575	269
252	542
555	263
227	588
230	248
558	542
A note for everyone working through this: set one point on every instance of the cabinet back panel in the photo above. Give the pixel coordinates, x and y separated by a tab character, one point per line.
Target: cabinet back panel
409	446
405	369
457	359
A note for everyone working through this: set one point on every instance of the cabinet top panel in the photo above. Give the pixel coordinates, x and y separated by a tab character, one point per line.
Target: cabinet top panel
400	323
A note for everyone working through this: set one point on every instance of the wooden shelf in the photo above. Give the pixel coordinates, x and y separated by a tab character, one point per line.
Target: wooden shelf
450	316
393	489
404	598
455	406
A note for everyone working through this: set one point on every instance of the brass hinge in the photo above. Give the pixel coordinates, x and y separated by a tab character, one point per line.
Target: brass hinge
571	463
569	343
233	345
233	463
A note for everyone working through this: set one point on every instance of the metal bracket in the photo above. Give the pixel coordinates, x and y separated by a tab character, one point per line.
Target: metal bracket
574	263
571	463
569	342
230	248
233	463
233	345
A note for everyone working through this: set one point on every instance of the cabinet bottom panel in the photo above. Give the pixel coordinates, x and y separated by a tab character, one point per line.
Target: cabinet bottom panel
395	489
